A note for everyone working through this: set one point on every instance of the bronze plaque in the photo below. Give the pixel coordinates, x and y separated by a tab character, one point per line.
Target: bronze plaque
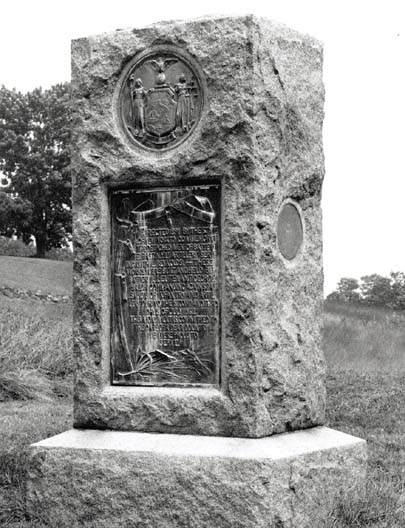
166	286
160	99
289	231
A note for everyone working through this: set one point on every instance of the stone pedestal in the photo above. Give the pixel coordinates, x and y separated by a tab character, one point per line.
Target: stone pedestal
144	480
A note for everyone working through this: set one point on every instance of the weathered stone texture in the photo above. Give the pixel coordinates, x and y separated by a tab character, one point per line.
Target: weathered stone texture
292	482
260	135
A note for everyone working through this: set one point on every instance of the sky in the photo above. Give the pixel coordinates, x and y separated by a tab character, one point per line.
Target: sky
364	75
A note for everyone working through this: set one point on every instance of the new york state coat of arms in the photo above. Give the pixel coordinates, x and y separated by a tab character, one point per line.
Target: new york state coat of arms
161	100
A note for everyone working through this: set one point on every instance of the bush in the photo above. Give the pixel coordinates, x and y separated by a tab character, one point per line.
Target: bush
64	254
15	248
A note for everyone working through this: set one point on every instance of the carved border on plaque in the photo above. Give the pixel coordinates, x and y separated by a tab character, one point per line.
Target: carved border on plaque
159	98
293	261
166	285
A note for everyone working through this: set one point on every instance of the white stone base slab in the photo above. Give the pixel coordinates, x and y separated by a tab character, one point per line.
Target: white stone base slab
115	479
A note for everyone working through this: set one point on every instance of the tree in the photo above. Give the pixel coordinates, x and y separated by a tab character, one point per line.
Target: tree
376	290
347	290
34	158
398	289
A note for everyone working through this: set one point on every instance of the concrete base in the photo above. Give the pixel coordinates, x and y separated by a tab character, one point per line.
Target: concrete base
108	479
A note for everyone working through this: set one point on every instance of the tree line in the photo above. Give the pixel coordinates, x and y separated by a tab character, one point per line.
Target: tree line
35	185
373	290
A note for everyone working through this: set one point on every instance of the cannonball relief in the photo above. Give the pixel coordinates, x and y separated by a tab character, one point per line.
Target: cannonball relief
289	231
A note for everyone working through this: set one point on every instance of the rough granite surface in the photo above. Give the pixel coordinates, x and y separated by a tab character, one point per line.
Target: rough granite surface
260	134
114	488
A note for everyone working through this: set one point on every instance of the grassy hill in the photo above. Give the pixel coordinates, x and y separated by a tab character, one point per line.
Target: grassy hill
49	276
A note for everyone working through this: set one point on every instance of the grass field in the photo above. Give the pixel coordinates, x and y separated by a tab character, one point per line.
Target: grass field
29	307
364	339
364	350
36	366
49	276
22	423
365	354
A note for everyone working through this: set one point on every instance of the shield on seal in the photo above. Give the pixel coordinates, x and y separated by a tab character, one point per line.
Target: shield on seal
160	116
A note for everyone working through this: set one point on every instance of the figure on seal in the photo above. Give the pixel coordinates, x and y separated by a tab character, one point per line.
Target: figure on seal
184	104
138	103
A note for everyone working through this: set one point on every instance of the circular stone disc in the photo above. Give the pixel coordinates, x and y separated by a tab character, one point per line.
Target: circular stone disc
289	231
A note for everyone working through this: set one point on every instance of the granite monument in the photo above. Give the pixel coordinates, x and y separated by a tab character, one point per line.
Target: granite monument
197	173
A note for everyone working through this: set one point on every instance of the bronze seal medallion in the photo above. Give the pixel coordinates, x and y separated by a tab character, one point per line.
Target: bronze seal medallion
160	99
